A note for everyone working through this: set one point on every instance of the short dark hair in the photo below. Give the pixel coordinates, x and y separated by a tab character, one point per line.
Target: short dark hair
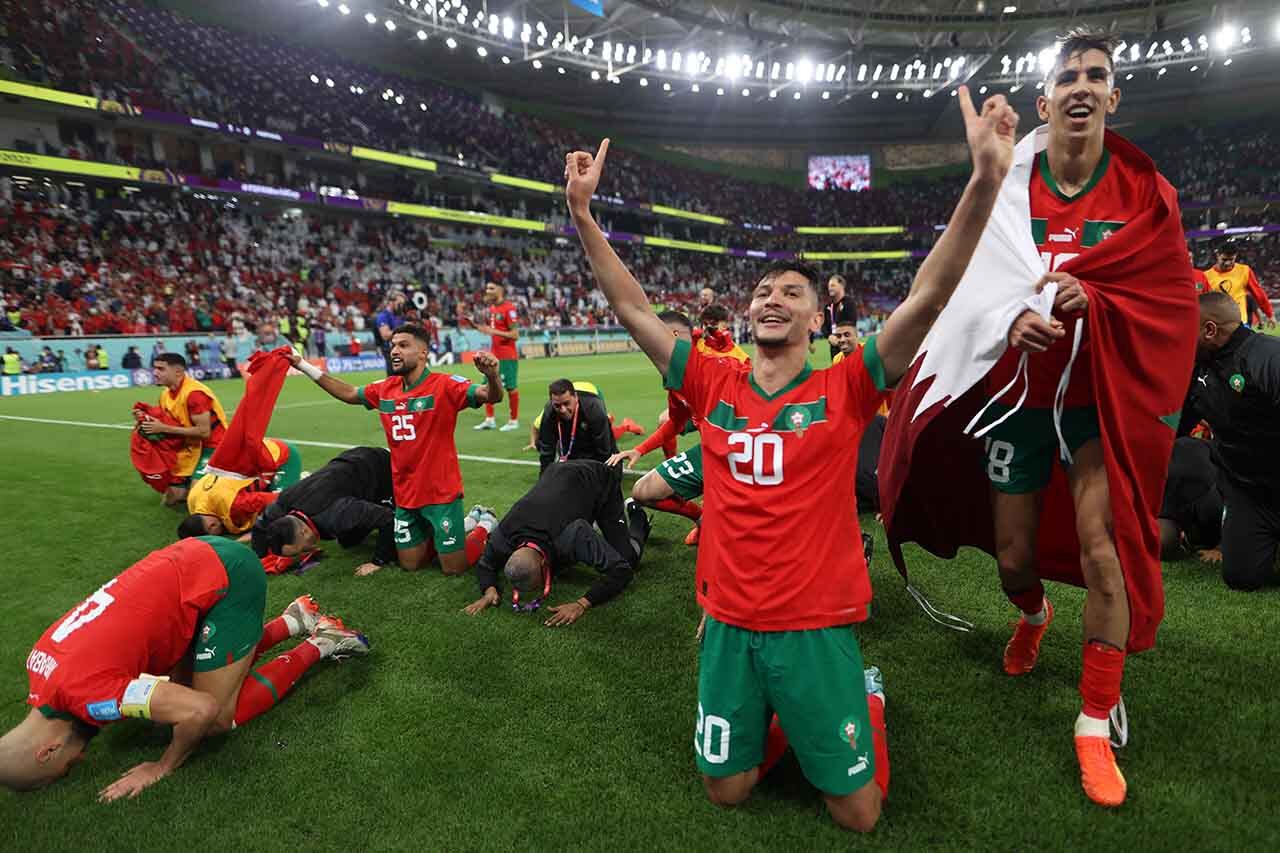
1227	247
1219	303
561	386
1082	39
190	526
675	318
169	358
714	313
412	329
810	274
839	278
281	532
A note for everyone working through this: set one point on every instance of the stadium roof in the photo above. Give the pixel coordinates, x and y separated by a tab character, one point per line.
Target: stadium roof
798	71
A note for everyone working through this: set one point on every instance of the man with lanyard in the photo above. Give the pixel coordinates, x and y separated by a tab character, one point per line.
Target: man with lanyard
575	425
553	527
503	330
841	310
199	420
780	449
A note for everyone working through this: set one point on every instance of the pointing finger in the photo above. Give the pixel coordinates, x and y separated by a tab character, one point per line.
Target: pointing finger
966	104
602	152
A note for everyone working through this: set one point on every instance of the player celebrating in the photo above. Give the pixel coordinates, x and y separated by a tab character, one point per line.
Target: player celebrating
192	611
780	446
1238	281
503	331
419	410
198	419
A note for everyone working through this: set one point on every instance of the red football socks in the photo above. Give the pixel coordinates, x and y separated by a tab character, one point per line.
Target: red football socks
488	411
1030	601
691	510
875	709
1100	679
513	402
271	682
775	745
274	633
475	543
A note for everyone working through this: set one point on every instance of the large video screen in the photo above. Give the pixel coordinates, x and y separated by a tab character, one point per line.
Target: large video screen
840	172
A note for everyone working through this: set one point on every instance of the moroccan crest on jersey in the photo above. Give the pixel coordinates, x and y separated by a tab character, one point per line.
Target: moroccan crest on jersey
1237	382
207	632
849	732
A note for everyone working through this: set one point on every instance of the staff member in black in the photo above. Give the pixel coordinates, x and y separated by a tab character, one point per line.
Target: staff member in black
346	500
575	425
551	528
840	310
1236	389
1191	512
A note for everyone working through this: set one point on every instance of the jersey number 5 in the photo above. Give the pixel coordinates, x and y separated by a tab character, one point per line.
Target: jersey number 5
402	428
84	614
756	459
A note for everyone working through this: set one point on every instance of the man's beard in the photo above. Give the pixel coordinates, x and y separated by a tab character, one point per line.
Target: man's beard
403	370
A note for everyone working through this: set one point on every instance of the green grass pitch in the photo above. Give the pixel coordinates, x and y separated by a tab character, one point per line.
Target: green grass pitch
499	733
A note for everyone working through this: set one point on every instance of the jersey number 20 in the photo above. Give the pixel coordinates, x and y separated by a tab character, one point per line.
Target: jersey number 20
84	614
756	459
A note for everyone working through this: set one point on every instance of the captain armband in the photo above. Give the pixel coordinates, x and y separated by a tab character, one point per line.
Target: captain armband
137	696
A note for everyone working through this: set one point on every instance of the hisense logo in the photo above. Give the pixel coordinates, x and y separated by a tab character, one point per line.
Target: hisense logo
12	386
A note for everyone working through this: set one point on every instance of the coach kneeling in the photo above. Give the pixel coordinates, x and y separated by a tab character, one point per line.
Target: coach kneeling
575	425
1236	389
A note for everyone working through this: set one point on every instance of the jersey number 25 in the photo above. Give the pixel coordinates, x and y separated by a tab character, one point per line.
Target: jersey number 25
402	428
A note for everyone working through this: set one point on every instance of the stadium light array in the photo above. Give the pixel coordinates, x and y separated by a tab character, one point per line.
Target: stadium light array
666	87
324	4
506	60
875	96
746	93
595	75
370	17
644	81
537	64
1225	38
695	88
1227	61
899	96
482	52
826	96
344	9
422	35
451	42
559	69
390	25
315	79
796	96
1194	68
328	81
773	94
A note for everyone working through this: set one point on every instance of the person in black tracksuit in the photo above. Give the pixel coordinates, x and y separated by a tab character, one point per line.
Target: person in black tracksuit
1191	512
346	500
555	526
575	425
841	309
1236	389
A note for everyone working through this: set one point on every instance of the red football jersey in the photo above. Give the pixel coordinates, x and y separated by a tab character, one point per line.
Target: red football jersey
1064	228
419	421
198	403
781	548
143	620
503	317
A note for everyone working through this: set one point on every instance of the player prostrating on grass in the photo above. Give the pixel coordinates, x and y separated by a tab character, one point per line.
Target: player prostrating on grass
780	446
171	639
503	331
419	411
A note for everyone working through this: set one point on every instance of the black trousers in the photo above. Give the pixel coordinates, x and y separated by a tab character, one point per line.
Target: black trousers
1250	538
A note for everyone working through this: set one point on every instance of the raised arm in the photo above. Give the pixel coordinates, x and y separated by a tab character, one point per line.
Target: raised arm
336	388
491	391
991	138
626	297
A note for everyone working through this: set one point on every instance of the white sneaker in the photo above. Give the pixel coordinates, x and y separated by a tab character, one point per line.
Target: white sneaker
509	426
487	423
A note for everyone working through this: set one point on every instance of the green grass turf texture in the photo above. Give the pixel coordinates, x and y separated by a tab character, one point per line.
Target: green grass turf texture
499	733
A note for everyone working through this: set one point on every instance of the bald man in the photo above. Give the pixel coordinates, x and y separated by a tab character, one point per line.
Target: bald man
1236	389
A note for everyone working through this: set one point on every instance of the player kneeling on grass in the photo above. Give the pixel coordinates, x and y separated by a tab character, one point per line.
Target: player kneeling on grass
554	526
171	639
780	449
419	411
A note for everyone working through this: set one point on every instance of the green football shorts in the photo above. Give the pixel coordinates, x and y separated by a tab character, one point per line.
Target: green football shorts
509	372
683	473
444	521
1020	451
233	626
812	679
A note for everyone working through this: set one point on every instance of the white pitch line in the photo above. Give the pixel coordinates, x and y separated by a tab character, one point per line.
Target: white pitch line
496	460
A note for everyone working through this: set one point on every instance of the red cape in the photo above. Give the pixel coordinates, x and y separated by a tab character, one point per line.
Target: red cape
242	450
1142	321
154	456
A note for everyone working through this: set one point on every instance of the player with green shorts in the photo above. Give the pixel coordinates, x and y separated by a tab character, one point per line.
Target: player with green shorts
1020	451
444	523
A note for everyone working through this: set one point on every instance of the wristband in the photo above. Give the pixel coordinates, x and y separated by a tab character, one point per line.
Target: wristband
309	370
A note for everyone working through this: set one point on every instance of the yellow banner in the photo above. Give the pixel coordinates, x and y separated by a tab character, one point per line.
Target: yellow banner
862	229
523	183
469	217
688	214
666	243
39	93
886	255
22	160
394	159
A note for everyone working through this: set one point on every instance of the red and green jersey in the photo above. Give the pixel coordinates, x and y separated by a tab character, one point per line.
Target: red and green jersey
781	547
141	621
419	421
503	317
1064	227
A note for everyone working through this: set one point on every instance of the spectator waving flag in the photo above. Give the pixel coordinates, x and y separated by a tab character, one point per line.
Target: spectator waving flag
1142	321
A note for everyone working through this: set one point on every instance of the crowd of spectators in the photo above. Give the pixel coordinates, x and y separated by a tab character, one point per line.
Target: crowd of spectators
144	56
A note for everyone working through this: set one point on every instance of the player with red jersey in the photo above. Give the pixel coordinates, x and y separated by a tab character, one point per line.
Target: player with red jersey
171	639
780	447
419	411
503	332
1080	195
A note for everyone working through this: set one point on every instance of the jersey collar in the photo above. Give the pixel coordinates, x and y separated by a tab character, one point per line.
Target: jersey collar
407	387
1046	175
790	386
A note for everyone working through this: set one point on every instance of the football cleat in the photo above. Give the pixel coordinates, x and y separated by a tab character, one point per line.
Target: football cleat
1024	646
335	640
487	423
479	511
692	537
305	612
628	425
873	680
509	426
1099	775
